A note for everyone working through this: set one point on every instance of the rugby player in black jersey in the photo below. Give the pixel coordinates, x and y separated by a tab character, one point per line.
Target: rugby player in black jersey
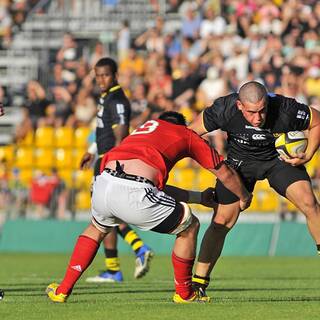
252	119
113	118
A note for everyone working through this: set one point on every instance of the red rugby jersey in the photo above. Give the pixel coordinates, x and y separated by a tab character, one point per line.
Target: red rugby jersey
161	144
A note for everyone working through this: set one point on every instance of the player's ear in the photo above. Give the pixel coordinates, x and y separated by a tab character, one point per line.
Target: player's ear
239	105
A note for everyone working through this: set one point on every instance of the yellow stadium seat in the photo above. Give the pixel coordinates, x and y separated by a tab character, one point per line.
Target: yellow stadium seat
182	164
27	140
313	164
81	137
77	156
83	200
255	204
63	137
83	179
44	158
44	137
26	176
67	176
269	201
262	185
186	178
7	153
205	179
23	157
63	158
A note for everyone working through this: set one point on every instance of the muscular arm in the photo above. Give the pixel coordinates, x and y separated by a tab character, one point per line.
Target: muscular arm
206	197
197	125
232	181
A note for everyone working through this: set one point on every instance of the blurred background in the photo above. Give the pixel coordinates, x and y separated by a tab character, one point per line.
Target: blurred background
172	55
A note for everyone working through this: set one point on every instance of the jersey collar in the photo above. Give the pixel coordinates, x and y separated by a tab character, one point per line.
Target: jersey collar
112	89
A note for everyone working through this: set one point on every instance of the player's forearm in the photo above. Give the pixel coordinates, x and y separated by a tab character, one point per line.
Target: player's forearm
232	181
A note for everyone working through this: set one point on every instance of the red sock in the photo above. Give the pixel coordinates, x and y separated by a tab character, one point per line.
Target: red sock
182	275
84	251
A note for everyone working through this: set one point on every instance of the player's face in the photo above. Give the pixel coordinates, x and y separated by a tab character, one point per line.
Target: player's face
254	113
104	77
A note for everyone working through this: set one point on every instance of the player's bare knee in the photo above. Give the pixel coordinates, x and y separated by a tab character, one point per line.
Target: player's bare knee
309	206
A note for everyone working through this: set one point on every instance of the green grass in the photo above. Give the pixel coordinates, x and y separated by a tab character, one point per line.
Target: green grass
243	288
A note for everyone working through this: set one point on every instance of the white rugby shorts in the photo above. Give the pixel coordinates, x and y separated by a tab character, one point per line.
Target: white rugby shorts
116	200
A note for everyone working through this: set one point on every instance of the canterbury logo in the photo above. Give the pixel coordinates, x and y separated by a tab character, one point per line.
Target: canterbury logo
77	268
258	137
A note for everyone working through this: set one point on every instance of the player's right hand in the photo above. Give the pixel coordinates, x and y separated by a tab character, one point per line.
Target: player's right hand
86	160
1	109
244	204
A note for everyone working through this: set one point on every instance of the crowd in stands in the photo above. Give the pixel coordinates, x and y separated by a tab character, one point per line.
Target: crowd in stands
12	16
218	46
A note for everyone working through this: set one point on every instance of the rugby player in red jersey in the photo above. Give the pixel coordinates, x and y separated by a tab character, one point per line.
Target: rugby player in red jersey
130	188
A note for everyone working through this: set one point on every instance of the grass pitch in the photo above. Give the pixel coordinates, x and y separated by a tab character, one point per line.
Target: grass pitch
243	288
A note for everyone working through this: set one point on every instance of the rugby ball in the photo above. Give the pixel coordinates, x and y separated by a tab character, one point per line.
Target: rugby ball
291	143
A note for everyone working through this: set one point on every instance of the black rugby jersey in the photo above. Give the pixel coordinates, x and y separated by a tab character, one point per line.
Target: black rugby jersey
248	142
113	109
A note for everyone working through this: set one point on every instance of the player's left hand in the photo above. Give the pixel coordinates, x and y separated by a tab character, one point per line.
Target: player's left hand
1	109
298	160
208	198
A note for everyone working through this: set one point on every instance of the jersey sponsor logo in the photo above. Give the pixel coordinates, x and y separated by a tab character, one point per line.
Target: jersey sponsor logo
101	100
241	141
258	137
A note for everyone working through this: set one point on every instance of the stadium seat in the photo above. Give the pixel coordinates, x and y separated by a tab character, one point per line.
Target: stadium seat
186	178
27	140
262	185
255	204
63	158
83	200
7	153
23	157
205	179
67	176
182	164
25	177
313	163
81	137
77	156
63	137
44	158
44	137
269	201
83	179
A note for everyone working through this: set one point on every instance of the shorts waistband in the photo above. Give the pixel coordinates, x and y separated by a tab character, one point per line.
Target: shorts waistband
127	176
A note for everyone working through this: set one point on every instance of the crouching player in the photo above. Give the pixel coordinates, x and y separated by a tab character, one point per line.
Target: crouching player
129	189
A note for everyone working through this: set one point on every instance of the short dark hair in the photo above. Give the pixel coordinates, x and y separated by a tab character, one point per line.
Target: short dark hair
173	117
252	91
107	62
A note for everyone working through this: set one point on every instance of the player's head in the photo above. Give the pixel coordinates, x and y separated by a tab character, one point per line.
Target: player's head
253	103
106	71
173	117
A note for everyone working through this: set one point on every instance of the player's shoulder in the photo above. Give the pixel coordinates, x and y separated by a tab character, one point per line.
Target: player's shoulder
282	102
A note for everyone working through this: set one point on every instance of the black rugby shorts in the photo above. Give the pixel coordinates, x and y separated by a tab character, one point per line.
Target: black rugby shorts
279	174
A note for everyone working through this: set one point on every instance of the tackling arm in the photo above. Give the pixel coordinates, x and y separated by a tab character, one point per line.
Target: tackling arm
197	125
232	181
